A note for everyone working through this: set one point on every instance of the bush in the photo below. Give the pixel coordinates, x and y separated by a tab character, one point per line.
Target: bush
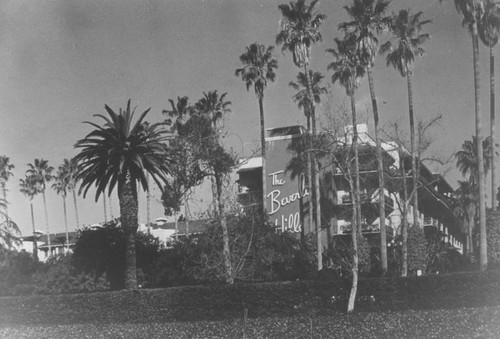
493	238
102	251
16	272
258	253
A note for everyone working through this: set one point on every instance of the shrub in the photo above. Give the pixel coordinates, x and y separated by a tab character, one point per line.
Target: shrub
102	251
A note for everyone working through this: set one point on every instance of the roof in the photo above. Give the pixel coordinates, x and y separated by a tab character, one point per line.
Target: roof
250	164
195	226
55	238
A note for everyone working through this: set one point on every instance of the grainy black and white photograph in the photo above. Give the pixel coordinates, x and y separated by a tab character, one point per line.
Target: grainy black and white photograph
249	169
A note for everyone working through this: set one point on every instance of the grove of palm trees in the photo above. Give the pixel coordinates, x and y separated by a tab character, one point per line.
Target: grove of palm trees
169	124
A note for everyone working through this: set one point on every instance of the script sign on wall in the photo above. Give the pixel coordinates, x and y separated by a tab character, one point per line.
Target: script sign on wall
287	198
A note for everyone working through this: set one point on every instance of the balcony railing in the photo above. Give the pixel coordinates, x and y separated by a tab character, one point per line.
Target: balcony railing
365	228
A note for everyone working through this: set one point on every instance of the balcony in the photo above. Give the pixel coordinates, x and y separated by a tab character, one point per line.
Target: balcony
365	228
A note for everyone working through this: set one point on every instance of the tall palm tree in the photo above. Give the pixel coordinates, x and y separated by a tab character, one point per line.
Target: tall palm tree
214	107
259	67
119	153
61	186
347	70
303	102
467	159
69	169
402	48
28	186
488	29
298	32
466	210
472	11
41	171
179	115
5	173
367	21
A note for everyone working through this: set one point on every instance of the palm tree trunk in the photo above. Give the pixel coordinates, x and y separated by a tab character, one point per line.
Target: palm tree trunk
356	163
47	224
315	171
483	259
492	130
129	221
111	206
148	204
35	240
186	213
355	259
176	226
4	190
225	233
310	201
104	206
66	223
263	153
381	181
414	173
404	222
76	209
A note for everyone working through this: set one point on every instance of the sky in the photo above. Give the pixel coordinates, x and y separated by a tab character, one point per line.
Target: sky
61	61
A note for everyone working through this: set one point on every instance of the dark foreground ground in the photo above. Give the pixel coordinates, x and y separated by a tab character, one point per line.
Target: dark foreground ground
456	323
465	305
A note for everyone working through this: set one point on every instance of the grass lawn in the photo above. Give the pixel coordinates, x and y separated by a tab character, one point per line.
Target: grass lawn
451	323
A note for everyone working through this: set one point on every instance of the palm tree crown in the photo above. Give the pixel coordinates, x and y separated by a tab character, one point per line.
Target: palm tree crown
180	112
5	169
406	42
259	67
467	160
489	23
346	67
299	30
302	97
214	106
367	22
121	148
41	171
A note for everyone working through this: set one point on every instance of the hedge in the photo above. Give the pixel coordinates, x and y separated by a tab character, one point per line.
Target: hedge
218	302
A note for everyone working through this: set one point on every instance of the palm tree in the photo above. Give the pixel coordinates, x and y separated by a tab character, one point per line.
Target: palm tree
401	49
466	210
5	173
41	171
215	106
9	232
61	186
120	153
29	188
303	103
302	95
69	169
367	21
472	11
299	31
259	67
467	159
178	117
488	28
347	71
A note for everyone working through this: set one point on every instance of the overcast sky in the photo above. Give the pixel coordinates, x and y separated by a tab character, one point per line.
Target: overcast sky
61	61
